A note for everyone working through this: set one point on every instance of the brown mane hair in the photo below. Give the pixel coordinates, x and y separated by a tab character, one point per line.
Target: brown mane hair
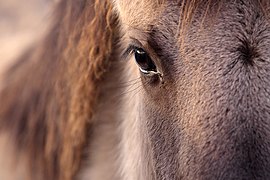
49	96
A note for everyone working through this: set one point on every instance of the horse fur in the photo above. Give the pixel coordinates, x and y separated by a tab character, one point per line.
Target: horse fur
55	99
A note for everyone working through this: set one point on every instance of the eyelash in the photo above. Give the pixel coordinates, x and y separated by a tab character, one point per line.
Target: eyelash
145	63
131	50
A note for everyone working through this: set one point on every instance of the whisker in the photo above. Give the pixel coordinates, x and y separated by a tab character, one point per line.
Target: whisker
122	87
128	84
130	81
129	90
132	86
139	90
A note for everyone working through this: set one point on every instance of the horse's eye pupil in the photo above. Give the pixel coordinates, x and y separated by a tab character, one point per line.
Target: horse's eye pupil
144	61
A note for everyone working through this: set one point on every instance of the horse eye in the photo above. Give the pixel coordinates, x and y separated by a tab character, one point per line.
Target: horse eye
145	63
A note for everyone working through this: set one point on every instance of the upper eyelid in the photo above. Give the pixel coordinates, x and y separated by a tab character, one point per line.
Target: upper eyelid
134	44
129	50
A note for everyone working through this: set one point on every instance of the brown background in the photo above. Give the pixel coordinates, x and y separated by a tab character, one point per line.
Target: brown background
21	23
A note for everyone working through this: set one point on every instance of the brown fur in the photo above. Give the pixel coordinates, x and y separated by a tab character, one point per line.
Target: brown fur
49	96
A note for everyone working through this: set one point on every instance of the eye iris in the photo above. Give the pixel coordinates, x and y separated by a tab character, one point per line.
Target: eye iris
144	61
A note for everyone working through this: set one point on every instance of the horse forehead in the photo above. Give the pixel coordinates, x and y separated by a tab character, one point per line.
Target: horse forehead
138	13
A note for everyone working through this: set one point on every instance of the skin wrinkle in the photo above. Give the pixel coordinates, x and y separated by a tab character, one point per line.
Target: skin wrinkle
209	119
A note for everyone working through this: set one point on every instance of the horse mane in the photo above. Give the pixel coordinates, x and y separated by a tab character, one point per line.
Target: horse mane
49	95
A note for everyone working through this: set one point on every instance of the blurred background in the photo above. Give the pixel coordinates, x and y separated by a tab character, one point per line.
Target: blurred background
22	22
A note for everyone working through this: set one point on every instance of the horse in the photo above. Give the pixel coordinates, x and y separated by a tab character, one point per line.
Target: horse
141	90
